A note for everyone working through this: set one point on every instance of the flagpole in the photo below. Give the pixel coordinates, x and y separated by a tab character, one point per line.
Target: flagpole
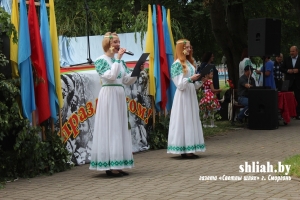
153	108
60	122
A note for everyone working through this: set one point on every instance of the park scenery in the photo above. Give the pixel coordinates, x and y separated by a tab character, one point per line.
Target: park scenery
51	84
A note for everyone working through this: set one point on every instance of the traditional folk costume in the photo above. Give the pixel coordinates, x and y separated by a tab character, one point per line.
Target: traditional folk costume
112	145
185	130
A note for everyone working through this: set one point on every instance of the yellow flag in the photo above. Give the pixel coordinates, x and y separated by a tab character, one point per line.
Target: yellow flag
170	31
13	46
150	49
55	53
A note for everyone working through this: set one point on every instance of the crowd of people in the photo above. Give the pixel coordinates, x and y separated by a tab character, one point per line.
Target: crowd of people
272	74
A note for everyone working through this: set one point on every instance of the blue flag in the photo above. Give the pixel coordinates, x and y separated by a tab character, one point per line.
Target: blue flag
156	62
170	58
24	64
47	47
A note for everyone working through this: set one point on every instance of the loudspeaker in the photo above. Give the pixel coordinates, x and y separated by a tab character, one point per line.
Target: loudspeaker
264	37
263	109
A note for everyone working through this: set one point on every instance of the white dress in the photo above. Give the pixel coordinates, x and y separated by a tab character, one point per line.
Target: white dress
185	130
112	144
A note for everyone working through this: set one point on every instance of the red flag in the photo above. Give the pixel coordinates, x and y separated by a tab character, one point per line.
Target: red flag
38	61
164	71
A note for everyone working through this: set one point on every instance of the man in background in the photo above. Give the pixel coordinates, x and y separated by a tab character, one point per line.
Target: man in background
278	76
246	81
291	67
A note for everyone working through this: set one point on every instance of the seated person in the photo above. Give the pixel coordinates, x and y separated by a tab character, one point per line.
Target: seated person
246	81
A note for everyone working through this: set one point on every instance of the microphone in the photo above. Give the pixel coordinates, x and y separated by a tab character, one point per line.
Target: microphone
127	52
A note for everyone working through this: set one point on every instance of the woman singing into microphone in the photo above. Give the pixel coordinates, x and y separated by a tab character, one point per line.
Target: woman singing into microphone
112	146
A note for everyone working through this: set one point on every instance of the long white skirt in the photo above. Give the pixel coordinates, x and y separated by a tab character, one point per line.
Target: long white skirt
185	129
112	145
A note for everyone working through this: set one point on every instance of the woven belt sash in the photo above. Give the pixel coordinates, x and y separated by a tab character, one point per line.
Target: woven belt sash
118	85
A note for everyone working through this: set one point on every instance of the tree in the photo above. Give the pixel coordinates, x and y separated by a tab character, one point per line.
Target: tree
219	26
229	25
102	16
229	28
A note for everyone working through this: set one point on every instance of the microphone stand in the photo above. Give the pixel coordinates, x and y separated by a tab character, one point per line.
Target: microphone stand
87	14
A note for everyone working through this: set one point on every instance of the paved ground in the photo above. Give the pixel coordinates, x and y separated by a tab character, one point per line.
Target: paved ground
158	175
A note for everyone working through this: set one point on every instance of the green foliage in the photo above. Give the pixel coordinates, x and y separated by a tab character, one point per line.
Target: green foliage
6	26
9	29
9	111
22	152
158	138
102	17
30	156
294	161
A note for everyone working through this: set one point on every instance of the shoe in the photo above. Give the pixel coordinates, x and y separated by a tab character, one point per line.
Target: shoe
196	156
124	173
109	173
192	156
246	113
298	117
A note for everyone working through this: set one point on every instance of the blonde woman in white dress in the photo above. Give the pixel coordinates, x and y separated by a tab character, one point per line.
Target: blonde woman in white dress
185	130
112	144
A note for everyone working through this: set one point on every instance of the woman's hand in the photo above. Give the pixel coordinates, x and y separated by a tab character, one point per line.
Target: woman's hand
195	77
120	53
142	67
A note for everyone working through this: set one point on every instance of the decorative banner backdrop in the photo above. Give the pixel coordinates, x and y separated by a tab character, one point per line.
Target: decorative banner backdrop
80	88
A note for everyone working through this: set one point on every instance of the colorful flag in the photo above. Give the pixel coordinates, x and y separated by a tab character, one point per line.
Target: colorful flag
14	46
150	49
170	59
55	53
164	71
170	31
25	70
156	62
46	42
38	62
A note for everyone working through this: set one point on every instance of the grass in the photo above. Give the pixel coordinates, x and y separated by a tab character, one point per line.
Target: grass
222	127
294	161
223	86
225	126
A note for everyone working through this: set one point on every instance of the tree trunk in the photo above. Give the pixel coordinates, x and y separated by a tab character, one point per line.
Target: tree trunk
230	31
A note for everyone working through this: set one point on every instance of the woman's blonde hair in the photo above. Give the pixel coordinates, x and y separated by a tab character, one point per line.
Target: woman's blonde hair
106	42
179	54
